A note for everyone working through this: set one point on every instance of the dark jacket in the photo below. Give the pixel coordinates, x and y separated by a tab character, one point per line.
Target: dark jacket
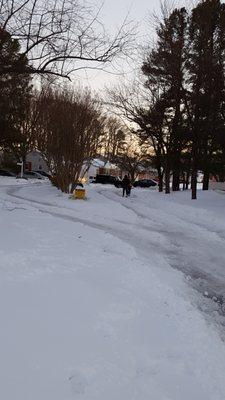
126	183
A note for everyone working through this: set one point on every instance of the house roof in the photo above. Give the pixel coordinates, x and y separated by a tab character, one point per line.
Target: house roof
97	162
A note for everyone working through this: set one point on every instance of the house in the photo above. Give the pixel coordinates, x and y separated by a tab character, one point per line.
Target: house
150	173
214	185
35	161
98	166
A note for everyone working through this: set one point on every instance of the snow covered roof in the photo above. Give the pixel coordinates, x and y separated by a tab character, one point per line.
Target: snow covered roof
97	162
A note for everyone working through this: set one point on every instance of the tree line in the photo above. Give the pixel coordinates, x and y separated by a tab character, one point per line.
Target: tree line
68	125
178	103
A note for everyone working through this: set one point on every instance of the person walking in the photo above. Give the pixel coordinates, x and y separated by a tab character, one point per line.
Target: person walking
126	185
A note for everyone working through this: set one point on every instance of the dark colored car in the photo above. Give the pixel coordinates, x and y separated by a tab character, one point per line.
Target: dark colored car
145	183
108	179
118	183
31	175
5	172
43	173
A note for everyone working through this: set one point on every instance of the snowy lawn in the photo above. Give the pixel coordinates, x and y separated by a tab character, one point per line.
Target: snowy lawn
97	299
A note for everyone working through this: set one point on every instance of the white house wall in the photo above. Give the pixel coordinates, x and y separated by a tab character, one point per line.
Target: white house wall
37	161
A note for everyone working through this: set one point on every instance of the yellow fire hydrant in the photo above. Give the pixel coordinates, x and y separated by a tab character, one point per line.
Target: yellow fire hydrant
79	194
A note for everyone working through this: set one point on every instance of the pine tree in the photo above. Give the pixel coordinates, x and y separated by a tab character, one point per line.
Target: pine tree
206	77
14	93
164	68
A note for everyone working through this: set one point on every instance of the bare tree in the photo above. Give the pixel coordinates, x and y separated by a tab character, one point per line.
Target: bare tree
58	37
142	109
132	157
68	133
113	138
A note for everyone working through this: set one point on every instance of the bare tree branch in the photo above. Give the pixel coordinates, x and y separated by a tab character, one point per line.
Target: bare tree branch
56	34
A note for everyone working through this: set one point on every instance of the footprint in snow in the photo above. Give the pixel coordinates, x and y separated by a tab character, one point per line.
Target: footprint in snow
78	384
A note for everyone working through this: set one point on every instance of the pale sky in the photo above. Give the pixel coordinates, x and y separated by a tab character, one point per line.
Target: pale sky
138	9
113	14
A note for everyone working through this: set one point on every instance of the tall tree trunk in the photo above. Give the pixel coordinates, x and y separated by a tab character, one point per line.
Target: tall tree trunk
167	176
160	177
184	181
24	162
176	180
194	184
206	180
160	183
222	169
132	176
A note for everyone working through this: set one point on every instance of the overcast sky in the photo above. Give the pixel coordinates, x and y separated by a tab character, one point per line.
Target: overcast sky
138	9
112	15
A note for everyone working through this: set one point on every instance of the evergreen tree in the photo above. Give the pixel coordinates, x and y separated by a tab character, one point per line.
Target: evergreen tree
206	77
164	68
14	93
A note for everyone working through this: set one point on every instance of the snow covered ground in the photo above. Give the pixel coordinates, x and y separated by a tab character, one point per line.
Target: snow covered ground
111	298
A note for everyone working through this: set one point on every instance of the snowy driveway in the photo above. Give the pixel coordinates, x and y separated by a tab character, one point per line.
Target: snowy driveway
190	235
90	306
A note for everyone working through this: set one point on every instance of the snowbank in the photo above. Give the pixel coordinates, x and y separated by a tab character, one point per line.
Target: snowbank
90	306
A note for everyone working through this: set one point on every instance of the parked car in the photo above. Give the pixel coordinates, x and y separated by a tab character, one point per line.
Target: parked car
5	172
145	183
43	173
118	183
108	179
31	175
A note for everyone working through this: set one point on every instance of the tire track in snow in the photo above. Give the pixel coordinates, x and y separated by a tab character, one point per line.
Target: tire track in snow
203	281
165	242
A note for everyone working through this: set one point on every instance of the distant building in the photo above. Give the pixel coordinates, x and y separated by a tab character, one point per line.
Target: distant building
214	185
98	166
150	173
36	162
